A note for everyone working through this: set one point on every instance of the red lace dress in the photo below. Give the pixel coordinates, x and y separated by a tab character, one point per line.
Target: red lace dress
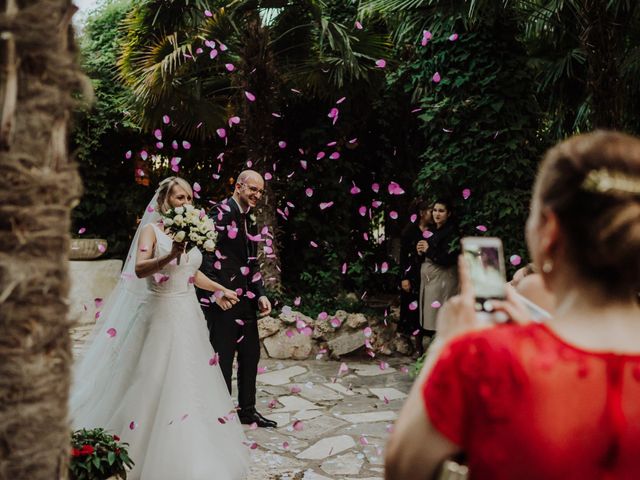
524	404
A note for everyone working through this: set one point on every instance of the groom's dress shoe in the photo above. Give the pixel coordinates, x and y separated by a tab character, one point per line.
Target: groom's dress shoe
251	416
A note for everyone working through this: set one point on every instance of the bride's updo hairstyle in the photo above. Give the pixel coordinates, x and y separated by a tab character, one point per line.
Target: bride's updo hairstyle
165	188
592	183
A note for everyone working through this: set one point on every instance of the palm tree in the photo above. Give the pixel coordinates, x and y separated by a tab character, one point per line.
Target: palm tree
270	46
39	186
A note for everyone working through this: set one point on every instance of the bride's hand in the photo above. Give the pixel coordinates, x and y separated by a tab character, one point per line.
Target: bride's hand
177	249
230	295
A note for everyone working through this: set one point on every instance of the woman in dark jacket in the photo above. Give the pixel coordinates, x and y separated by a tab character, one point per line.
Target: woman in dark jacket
438	273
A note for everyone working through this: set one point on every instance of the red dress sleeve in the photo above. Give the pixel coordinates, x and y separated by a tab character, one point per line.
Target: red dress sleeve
444	396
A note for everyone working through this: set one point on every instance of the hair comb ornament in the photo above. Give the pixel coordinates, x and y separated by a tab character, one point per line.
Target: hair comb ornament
609	182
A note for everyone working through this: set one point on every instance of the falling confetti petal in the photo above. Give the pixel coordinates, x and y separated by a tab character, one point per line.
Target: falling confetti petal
426	36
133	426
250	96
413	305
230	67
82	230
358	25
363	440
367	332
221	132
157	133
335	322
381	63
343	368
298	426
436	78
481	228
466	193
207	13
295	389
309	192
166	119
112	332
515	260
427	234
325	205
384	267
393	214
128	155
453	37
282	144
214	360
435	304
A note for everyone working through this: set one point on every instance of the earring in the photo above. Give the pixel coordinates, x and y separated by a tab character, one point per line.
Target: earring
547	266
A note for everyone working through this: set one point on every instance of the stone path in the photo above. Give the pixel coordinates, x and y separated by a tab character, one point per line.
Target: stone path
333	417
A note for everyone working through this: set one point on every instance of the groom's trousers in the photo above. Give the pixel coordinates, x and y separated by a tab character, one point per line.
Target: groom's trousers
227	337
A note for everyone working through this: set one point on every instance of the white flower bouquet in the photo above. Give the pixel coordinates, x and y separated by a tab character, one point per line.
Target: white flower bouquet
192	225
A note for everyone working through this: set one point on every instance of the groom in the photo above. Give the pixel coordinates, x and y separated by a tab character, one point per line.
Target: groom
234	328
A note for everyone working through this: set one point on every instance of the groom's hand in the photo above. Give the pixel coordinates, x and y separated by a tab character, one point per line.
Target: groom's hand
224	303
264	305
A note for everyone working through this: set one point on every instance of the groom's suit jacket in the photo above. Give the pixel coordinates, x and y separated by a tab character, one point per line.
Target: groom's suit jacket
235	265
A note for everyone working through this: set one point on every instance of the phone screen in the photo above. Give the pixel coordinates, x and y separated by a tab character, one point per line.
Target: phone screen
486	266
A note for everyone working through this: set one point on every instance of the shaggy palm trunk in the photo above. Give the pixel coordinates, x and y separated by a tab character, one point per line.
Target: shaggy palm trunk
603	40
259	139
38	186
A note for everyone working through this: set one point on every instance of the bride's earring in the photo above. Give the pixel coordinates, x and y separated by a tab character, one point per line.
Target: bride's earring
547	266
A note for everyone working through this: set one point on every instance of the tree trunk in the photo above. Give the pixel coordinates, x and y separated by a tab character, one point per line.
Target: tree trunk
38	186
603	40
260	79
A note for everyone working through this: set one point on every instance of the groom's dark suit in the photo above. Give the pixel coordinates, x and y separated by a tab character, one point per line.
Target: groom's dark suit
235	267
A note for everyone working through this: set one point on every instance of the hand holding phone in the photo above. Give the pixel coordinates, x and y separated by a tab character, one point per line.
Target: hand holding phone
485	263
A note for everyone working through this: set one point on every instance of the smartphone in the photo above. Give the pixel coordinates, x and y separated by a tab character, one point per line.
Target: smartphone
485	261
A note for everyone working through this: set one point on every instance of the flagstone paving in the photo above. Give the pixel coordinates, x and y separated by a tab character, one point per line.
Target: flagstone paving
331	425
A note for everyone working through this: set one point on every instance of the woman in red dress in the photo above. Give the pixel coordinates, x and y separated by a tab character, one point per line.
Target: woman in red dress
559	400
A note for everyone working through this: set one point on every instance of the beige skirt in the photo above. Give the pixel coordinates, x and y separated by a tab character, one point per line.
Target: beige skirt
437	284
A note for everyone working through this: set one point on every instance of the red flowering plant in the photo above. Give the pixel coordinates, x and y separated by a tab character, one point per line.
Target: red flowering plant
98	455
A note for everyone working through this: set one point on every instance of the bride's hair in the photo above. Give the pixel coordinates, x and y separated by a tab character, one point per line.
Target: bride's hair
164	190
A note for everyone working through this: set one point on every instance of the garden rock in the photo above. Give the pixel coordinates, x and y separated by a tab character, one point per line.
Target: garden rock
268	326
345	342
356	320
281	346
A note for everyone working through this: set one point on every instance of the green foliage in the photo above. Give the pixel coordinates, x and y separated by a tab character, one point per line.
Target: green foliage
98	455
481	120
102	135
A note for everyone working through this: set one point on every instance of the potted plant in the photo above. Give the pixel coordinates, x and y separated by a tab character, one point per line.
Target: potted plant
98	455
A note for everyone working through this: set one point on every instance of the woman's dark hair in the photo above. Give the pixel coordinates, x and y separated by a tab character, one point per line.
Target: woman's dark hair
592	183
446	202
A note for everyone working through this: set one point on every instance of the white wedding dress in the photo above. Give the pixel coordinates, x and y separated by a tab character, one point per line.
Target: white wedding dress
152	381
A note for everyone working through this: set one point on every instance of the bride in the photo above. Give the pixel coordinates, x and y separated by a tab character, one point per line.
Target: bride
149	373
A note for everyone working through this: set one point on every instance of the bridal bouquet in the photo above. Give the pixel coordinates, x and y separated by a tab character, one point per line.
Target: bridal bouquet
190	224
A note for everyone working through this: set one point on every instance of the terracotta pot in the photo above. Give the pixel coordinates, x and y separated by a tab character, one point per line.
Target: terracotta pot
87	248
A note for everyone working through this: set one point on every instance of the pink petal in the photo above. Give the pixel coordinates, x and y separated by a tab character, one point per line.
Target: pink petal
323	315
297	301
363	440
340	100
453	37
381	63
436	78
344	268
383	365
82	230
230	67
393	214
320	155
482	228
413	305
333	113
309	192
285	445
435	304
367	332
413	218
515	260
207	13
358	25
234	121
426	36
313	244
303	164
214	360
325	205
223	47
384	267
375	187
354	190
295	389
128	154
112	332
144	155
298	425
244	271
133	426
262	369
335	322
282	144
466	193
395	189
166	119
221	132
343	368
239	321
289	333
186	145
213	54
157	133
250	96
334	156
427	234
362	210
240	339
